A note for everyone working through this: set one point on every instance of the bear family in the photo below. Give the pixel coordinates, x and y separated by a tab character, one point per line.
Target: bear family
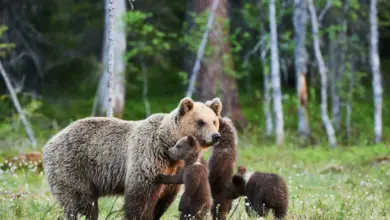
99	156
195	203
263	192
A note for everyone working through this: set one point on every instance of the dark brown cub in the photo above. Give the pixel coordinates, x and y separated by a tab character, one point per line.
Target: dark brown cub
263	192
221	168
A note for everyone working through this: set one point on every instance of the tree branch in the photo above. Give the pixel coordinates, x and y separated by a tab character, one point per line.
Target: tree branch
29	131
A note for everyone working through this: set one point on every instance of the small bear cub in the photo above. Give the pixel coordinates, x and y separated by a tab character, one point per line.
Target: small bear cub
221	168
263	192
196	199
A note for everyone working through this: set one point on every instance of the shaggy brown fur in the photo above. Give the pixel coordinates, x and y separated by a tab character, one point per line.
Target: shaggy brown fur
100	156
263	192
196	199
221	168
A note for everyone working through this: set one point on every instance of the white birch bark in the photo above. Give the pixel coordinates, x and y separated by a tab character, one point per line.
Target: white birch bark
100	106
145	85
349	98
22	116
300	61
277	93
376	74
264	46
202	46
323	72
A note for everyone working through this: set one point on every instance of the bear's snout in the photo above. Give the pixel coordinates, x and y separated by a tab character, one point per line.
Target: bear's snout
216	137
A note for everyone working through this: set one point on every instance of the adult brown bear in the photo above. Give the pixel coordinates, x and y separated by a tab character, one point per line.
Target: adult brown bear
100	156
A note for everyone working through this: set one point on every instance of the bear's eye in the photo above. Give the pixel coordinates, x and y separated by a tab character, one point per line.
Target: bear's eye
215	122
201	123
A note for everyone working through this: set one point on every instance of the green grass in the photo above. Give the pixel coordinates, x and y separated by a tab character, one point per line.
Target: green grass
343	183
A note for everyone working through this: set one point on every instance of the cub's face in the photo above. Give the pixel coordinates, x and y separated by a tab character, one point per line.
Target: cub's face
235	186
184	147
200	120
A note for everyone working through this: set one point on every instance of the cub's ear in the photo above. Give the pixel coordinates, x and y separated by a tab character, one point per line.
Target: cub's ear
191	140
215	105
238	181
185	105
241	170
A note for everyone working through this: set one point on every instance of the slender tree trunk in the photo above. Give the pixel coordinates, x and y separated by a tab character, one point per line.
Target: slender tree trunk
101	103
269	125
22	116
267	78
349	98
334	81
300	60
145	85
207	78
376	74
277	93
323	72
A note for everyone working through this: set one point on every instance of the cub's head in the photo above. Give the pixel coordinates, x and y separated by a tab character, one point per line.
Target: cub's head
200	120
184	148
235	187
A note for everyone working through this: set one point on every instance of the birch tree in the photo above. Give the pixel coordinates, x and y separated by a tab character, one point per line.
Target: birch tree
323	72
300	61
115	69
277	93
22	116
376	74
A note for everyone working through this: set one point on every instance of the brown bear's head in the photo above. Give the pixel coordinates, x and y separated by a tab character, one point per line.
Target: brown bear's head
235	186
200	120
185	148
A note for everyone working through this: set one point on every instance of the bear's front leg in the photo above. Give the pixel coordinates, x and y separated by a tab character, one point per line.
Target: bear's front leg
140	200
166	200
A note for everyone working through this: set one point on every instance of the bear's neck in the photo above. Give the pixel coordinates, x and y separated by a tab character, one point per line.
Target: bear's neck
169	132
194	158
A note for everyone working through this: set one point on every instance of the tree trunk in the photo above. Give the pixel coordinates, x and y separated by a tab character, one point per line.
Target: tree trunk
349	98
323	72
22	116
202	93
277	93
334	81
211	70
101	104
300	60
267	80
269	125
376	74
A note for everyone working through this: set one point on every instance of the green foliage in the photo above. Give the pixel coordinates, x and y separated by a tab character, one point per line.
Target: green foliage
4	47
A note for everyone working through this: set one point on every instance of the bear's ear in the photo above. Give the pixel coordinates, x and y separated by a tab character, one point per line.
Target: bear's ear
241	170
191	140
186	104
215	105
238	181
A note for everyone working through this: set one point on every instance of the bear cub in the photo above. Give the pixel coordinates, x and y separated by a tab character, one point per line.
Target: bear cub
263	192
196	199
221	168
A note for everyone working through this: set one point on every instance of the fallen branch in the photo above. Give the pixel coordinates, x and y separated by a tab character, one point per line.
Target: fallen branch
29	131
202	46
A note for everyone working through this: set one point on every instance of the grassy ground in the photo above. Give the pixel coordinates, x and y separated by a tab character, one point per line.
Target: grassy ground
344	183
341	183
